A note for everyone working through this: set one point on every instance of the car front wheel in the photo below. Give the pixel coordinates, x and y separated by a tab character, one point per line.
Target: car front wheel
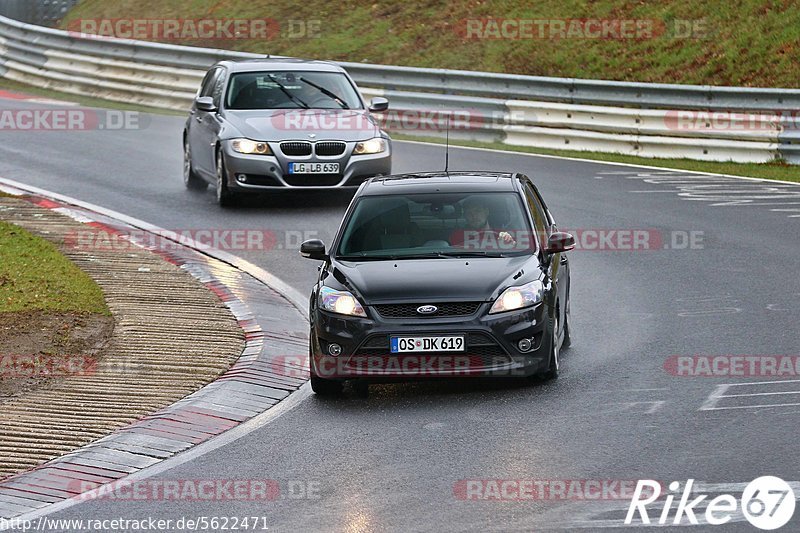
322	386
567	342
326	387
225	198
555	351
190	179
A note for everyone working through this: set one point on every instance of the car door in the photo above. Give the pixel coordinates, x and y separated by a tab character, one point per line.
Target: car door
563	264
204	125
557	264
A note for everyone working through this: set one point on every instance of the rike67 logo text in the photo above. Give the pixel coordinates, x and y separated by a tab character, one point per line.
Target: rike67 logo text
767	502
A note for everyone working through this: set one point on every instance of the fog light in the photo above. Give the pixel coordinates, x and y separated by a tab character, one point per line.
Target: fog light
241	178
334	349
524	345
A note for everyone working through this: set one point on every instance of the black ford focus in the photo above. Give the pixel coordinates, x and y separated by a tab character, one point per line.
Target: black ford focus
440	275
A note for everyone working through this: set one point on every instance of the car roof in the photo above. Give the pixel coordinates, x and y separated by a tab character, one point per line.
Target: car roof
280	63
428	182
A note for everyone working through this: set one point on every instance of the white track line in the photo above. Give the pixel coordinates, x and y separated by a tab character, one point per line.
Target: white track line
665	170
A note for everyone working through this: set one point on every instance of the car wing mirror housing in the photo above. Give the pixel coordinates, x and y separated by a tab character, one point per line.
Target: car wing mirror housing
378	104
560	242
313	249
205	103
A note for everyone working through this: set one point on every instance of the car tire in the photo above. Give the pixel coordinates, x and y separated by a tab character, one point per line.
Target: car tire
322	386
326	387
225	198
555	350
191	180
567	342
361	388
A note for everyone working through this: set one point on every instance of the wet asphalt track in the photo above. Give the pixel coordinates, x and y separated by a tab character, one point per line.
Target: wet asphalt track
390	462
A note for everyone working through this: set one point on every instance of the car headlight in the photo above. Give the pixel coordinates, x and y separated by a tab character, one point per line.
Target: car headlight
246	146
341	302
519	297
372	146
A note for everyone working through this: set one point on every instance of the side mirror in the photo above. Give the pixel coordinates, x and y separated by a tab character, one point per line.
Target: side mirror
205	103
378	104
560	242
313	249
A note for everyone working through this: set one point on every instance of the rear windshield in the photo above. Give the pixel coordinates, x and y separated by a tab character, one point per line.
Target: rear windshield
383	227
291	90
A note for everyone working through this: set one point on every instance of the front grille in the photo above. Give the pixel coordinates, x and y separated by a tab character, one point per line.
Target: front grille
296	148
312	180
330	148
444	310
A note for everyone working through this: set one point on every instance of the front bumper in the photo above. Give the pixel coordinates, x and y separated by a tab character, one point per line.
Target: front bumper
491	345
253	173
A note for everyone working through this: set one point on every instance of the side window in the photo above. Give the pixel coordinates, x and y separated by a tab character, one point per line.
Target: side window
541	202
219	86
540	220
208	83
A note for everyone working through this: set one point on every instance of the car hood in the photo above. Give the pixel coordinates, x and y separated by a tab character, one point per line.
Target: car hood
433	280
298	124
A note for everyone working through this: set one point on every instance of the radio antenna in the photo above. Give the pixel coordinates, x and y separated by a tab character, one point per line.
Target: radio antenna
447	144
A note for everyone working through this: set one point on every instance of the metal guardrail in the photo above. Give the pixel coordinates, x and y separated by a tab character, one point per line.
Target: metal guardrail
568	113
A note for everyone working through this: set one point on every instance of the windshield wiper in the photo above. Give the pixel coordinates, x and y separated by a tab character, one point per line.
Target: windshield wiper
468	253
426	255
326	92
361	257
395	257
285	91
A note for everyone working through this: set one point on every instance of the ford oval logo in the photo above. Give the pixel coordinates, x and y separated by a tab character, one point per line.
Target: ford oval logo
427	309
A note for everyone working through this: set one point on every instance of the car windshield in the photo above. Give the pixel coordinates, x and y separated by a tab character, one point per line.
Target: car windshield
436	226
291	90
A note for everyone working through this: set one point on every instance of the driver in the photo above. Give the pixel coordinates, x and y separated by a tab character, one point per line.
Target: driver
478	233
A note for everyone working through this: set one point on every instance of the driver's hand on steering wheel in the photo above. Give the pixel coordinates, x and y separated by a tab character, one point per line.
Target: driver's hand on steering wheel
506	238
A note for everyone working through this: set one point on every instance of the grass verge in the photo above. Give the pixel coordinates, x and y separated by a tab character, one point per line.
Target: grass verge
740	43
35	276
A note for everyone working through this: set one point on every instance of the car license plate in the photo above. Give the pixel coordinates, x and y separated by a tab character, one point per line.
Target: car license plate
313	168
427	344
